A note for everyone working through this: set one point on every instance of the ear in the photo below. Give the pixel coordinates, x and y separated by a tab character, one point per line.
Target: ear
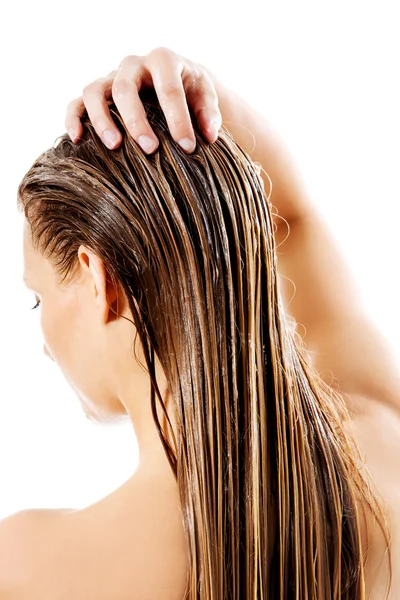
106	294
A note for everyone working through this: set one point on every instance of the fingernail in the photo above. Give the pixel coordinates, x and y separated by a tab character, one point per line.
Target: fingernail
110	138
187	144
215	124
147	143
72	134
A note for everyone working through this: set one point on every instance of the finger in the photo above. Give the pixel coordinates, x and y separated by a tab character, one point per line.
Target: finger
95	97
203	100
76	109
125	92
166	71
73	125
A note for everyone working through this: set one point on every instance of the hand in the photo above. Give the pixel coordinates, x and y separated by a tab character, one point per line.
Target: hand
178	83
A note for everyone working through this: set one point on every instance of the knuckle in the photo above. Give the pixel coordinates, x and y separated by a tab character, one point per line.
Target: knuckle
162	52
133	122
98	123
121	87
169	89
92	88
102	82
176	120
73	105
129	61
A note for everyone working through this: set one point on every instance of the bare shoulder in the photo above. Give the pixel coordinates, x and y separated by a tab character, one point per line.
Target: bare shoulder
24	538
128	545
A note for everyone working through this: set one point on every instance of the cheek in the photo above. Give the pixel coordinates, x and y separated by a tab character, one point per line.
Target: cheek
71	339
55	325
59	327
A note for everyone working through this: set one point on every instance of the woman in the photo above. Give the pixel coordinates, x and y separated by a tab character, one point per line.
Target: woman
251	483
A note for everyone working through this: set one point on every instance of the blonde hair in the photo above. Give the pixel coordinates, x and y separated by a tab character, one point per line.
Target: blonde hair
269	478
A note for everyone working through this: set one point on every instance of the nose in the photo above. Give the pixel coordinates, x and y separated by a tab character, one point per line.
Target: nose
47	353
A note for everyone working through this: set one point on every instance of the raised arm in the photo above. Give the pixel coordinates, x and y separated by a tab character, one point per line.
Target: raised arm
316	282
345	346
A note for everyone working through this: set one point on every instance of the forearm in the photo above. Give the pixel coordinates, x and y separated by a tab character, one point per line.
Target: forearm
262	142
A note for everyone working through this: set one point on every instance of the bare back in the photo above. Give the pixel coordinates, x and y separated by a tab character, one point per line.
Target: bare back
378	435
132	544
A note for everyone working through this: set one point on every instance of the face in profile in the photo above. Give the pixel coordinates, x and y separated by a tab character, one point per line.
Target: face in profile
81	333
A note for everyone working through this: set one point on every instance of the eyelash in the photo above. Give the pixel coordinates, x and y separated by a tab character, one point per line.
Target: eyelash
36	305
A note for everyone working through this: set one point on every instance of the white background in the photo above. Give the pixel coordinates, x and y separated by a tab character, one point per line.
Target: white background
326	74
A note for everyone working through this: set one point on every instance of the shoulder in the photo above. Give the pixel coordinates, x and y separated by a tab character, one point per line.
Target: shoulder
25	539
128	541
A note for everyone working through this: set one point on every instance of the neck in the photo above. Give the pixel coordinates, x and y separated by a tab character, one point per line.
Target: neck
152	456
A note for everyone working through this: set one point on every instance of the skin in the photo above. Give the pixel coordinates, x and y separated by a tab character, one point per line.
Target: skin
94	348
179	83
133	539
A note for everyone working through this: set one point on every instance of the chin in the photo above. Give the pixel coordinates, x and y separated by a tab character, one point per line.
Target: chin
91	418
89	414
99	414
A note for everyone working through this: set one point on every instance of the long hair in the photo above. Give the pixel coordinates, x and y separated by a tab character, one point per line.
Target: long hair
269	477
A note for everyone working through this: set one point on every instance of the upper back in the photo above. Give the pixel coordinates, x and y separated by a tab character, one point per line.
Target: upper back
114	550
132	544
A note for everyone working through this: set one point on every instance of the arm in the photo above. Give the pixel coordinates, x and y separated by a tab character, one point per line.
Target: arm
343	342
257	136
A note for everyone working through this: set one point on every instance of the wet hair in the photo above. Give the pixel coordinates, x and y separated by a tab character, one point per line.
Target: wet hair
270	480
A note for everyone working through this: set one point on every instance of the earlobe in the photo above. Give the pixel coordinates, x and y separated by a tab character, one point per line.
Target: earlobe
114	302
